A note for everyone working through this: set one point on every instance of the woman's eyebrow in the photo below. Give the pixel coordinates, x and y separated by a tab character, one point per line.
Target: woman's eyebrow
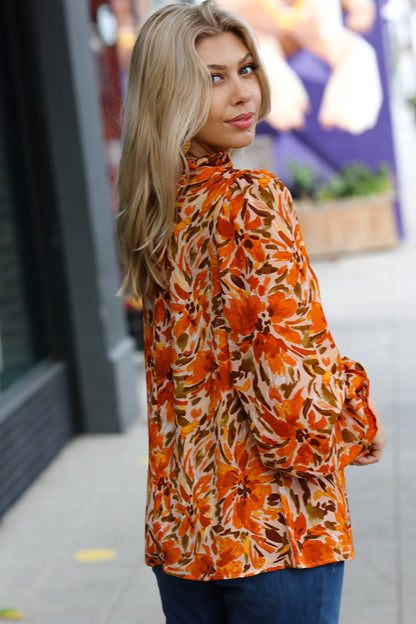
222	67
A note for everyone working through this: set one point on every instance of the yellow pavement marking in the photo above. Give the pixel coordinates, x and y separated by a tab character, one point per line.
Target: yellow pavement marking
11	614
94	555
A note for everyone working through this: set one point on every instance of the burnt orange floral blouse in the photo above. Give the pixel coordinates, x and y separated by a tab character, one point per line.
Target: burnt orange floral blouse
253	414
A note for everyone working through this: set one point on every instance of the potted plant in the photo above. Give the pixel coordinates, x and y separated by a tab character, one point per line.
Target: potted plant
352	211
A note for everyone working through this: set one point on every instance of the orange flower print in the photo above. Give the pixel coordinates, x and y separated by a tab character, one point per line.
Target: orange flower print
253	247
159	312
165	359
274	351
300	526
244	314
281	307
316	316
171	551
200	368
244	490
230	552
201	565
304	457
315	550
253	414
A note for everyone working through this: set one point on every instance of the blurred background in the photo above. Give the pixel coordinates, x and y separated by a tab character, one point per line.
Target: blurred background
341	135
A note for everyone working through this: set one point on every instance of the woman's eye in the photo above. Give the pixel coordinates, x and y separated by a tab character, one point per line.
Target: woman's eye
215	78
248	69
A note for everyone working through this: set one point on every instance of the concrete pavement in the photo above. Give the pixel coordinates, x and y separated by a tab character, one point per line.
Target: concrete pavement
370	301
71	549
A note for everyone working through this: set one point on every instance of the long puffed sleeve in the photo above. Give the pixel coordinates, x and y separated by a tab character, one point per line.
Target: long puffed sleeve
308	407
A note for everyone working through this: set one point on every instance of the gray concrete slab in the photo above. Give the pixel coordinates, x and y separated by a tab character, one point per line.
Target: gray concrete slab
93	495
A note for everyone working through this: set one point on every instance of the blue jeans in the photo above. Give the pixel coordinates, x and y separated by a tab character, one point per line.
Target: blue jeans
289	596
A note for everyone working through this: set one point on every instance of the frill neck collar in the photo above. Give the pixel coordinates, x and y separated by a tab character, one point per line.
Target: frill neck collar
218	159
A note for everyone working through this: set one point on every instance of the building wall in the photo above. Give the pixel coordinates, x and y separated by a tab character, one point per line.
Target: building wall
35	424
67	359
16	355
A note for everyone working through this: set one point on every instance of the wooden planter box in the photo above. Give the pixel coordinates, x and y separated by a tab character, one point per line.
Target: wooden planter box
348	225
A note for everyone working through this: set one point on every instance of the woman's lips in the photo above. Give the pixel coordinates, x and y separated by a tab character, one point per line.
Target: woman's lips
242	121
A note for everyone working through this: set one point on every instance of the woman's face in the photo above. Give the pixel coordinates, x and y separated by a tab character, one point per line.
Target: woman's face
236	95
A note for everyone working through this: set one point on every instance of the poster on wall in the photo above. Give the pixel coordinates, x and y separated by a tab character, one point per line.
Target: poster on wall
327	65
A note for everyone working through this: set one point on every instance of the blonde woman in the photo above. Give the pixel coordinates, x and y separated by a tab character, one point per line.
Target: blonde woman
252	412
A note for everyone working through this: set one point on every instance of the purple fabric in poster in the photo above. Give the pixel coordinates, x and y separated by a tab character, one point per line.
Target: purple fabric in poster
326	151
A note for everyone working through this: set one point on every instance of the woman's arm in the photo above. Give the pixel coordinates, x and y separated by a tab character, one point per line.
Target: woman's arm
309	408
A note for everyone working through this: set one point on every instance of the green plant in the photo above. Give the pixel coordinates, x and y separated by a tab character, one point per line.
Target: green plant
355	180
304	182
352	181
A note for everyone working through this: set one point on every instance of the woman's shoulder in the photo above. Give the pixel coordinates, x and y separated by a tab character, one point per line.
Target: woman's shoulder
257	181
218	170
259	191
236	188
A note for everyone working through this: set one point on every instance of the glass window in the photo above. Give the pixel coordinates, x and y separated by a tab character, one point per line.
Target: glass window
22	327
16	347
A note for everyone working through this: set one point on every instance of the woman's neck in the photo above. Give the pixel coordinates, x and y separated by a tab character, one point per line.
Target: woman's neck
199	149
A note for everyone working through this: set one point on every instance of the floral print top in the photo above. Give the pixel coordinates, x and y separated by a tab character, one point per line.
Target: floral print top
253	414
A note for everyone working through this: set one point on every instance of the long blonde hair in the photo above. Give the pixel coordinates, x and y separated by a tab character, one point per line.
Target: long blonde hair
167	104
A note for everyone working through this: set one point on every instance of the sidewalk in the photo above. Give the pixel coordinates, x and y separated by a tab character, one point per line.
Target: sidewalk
93	495
370	302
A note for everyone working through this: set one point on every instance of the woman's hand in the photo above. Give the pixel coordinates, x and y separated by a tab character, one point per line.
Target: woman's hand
379	442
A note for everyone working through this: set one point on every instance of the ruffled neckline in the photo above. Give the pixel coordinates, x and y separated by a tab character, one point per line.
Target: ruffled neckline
218	159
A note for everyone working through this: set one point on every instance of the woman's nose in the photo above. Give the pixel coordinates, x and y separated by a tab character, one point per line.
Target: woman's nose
241	92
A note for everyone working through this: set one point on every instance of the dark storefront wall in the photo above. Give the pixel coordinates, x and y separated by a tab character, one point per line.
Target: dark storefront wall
35	407
66	361
21	344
